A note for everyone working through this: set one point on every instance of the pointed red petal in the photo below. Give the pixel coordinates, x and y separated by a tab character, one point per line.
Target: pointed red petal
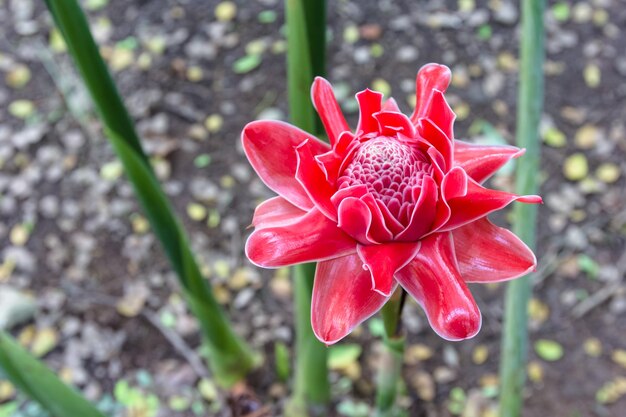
480	201
430	77
269	146
275	212
327	107
312	237
383	261
441	114
312	178
342	298
480	161
434	280
391	105
370	102
488	253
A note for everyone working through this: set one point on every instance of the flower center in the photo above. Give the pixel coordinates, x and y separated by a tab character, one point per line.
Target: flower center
392	171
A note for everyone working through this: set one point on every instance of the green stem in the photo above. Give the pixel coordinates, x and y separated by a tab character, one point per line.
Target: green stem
530	103
306	52
311	391
230	358
390	365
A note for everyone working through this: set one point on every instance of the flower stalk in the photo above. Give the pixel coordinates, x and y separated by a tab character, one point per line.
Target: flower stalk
392	356
229	356
306	55
530	103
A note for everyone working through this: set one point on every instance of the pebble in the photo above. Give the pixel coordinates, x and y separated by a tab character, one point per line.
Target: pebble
243	298
15	307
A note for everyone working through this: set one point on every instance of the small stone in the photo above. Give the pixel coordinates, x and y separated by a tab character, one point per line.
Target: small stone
587	136
382	86
619	357
243	298
18	76
424	385
15	307
225	11
608	172
480	354
554	137
351	34
592	347
506	13
22	109
575	167
196	212
44	341
19	234
214	123
414	354
535	372
592	75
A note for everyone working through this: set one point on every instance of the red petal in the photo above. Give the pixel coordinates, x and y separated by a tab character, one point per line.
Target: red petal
391	105
312	237
269	146
369	103
435	136
433	279
354	218
383	261
342	298
454	184
275	212
441	114
488	253
480	161
423	214
312	178
327	107
430	77
480	201
391	123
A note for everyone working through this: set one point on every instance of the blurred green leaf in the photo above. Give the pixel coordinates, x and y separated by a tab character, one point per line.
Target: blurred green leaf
281	357
34	379
246	64
340	356
230	357
548	350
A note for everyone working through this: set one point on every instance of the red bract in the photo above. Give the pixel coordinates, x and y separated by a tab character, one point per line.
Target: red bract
397	201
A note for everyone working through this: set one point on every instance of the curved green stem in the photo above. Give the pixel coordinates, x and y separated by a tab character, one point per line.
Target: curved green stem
530	103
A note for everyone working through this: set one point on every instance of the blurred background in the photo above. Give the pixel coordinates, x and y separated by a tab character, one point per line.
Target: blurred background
85	286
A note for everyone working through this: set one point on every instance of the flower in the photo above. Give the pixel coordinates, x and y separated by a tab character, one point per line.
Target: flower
398	201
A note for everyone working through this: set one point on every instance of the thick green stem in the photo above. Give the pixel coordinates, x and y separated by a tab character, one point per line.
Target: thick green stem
390	365
311	391
229	357
306	51
529	107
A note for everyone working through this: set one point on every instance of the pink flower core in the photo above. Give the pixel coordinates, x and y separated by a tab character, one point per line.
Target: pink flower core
392	171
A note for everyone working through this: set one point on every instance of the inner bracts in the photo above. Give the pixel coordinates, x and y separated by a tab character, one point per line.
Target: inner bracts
392	171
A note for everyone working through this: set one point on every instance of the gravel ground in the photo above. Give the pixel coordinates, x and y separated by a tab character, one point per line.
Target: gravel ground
84	284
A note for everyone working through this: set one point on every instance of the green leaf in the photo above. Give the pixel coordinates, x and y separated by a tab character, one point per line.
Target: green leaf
246	64
38	382
340	356
281	358
230	357
548	350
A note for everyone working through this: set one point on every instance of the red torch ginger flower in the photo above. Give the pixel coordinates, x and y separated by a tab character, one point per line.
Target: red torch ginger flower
397	201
